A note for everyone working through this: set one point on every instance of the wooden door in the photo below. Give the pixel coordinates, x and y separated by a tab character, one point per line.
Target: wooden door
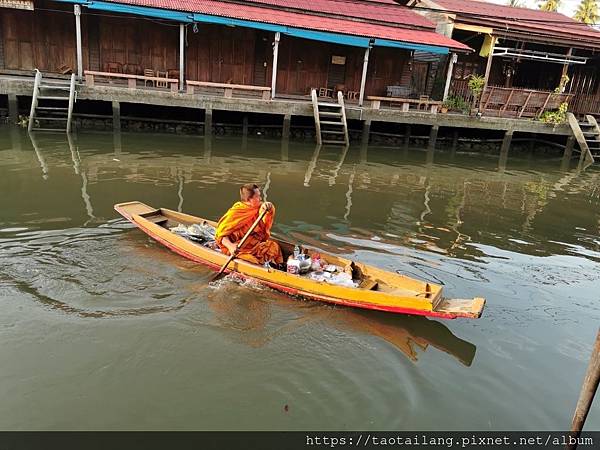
420	73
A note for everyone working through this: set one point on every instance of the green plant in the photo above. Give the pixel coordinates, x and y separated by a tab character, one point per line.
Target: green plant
556	117
456	103
476	84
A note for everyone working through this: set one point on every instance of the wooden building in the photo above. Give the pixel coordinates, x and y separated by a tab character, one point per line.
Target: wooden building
361	47
524	55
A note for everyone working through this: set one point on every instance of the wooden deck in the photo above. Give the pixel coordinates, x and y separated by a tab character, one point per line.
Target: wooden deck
122	93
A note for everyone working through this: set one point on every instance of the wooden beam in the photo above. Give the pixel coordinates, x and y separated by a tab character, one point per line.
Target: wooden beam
453	59
77	12
181	54
488	67
275	57
363	80
586	396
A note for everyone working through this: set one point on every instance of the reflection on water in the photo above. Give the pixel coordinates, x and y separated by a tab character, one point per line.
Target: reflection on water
523	234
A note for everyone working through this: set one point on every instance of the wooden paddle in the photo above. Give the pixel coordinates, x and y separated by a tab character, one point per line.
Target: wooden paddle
240	245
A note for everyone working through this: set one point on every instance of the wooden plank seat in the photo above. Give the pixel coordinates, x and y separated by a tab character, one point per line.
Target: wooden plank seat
228	89
494	100
91	77
432	105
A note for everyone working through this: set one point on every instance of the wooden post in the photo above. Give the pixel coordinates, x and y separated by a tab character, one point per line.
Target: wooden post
77	12
406	137
181	55
116	110
366	132
586	396
568	154
452	60
208	113
13	108
565	69
454	142
363	80
488	68
275	57
504	150
287	122
433	136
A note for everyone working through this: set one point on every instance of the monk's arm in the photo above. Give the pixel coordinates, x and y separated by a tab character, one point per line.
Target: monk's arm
230	245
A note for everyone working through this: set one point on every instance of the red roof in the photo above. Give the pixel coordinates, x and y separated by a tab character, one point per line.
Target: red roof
306	19
386	12
510	19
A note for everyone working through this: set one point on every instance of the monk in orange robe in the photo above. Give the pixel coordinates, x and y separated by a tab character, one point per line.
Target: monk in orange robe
236	222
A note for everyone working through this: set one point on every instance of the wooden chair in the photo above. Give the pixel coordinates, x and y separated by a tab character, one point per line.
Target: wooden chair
173	73
114	67
352	95
160	83
149	73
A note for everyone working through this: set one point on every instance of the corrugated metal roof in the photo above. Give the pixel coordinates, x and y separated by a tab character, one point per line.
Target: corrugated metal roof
304	20
381	12
507	18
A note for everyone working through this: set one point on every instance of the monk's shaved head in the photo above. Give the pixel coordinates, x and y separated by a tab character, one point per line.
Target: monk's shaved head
248	191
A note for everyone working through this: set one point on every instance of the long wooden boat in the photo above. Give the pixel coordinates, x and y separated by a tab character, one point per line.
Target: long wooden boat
377	289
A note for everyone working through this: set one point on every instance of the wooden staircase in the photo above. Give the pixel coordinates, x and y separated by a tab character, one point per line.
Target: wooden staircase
587	134
52	104
330	121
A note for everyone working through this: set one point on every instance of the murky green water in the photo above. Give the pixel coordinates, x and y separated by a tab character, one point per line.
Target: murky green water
102	328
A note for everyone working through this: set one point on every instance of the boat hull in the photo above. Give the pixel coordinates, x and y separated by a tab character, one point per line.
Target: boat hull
412	296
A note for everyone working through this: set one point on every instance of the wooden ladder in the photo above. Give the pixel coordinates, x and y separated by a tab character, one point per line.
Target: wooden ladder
587	134
52	104
330	121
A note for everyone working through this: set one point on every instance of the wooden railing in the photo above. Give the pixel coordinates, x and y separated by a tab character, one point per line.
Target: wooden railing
585	104
91	77
227	89
519	102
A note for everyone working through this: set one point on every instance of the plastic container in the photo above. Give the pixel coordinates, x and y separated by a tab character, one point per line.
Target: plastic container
293	266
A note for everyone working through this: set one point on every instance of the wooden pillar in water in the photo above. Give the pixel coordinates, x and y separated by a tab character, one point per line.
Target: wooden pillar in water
454	143
588	391
504	150
116	114
364	143
208	114
285	136
406	139
245	133
433	134
568	154
13	108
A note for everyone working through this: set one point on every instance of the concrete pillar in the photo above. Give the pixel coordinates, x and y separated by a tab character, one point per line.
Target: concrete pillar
452	59
15	138
77	12
181	55
13	108
287	121
363	80
208	113
568	154
117	142
116	111
433	134
275	57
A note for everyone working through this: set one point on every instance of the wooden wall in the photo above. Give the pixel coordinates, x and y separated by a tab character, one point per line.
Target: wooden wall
221	54
134	41
38	39
46	40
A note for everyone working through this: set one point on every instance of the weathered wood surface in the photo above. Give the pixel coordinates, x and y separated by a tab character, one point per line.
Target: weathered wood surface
405	103
92	76
228	89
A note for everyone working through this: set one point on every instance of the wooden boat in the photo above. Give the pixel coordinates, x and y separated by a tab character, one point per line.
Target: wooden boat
377	288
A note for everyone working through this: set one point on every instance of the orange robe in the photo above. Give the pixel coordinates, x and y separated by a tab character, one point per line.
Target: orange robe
258	248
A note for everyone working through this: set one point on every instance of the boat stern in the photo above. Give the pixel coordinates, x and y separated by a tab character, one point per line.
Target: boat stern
453	308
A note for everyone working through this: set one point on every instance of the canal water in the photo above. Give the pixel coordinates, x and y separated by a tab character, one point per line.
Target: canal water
102	328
